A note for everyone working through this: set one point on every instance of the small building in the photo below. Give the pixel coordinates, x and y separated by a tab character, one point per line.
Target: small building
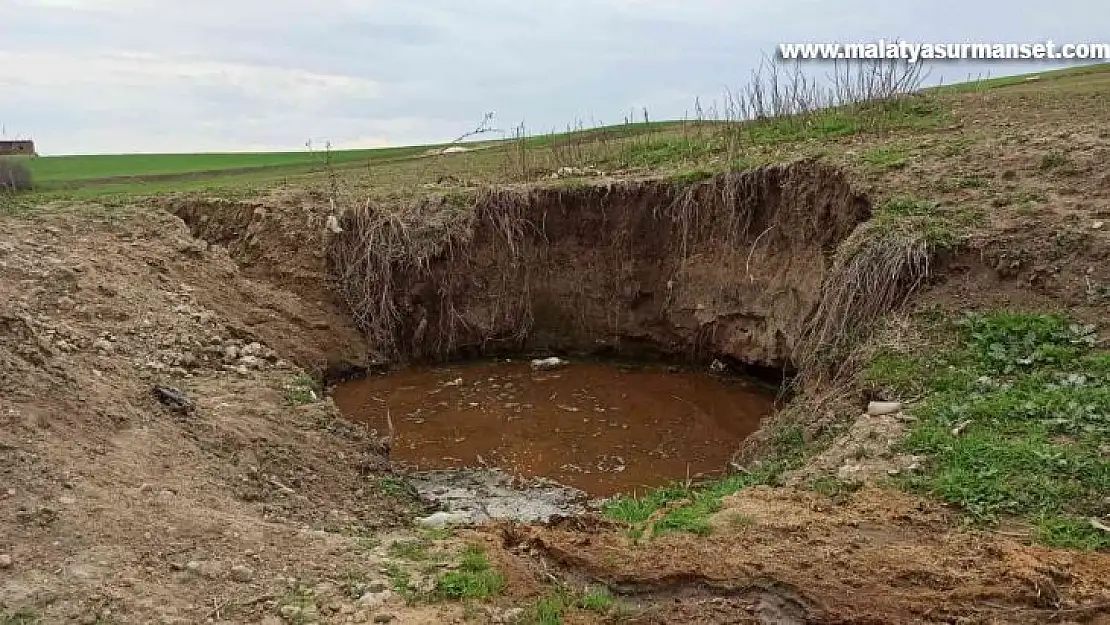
21	147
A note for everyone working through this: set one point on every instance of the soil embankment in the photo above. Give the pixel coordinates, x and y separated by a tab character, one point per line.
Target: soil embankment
732	267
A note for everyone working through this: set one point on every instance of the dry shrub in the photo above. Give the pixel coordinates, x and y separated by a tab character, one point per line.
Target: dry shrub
15	175
875	271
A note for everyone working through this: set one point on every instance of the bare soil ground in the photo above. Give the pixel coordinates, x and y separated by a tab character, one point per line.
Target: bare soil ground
255	506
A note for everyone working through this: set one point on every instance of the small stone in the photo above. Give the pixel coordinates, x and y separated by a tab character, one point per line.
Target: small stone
375	599
383	618
250	361
67	500
548	364
290	612
1098	225
231	353
193	566
880	408
242	573
102	345
446	519
5	561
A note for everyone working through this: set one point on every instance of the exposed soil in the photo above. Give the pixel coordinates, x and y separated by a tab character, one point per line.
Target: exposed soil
782	556
729	268
591	426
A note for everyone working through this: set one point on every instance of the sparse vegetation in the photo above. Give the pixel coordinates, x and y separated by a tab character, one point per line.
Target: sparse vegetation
22	616
1015	415
303	389
887	158
687	507
1055	160
551	609
474	579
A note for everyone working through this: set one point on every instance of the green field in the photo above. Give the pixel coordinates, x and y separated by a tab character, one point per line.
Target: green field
685	148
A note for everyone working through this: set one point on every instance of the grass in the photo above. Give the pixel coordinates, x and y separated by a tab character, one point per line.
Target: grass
551	610
1016	412
415	549
474	579
689	506
302	390
887	158
61	170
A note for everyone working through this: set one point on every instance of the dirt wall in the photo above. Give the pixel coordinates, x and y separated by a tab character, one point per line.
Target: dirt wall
729	267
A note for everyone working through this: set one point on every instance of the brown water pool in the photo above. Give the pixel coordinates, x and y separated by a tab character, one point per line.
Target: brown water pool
597	427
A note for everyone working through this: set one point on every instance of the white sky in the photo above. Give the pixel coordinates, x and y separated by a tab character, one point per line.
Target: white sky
102	76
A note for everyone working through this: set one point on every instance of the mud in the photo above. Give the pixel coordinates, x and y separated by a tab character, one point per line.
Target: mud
594	426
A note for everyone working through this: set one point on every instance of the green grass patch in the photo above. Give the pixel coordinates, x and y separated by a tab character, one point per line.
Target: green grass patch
551	610
656	152
414	549
693	504
302	390
474	579
887	158
1055	160
1015	415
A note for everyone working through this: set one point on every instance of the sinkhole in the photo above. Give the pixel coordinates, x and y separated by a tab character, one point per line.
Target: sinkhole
604	428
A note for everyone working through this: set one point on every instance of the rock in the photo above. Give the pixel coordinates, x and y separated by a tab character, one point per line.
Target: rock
251	361
252	349
67	500
193	566
332	224
5	561
175	399
1098	225
383	618
880	408
102	345
446	519
375	599
231	353
548	364
242	573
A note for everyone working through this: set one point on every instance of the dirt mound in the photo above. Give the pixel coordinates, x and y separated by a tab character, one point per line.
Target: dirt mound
282	240
730	267
108	494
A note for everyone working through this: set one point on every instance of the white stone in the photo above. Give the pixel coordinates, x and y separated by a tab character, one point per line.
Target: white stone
548	364
880	408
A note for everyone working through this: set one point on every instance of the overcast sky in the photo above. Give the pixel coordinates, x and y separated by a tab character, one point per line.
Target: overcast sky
103	76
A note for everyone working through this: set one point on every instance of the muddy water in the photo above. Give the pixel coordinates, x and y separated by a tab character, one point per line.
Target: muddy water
596	427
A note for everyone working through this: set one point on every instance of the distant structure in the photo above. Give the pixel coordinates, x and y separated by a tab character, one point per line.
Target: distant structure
21	147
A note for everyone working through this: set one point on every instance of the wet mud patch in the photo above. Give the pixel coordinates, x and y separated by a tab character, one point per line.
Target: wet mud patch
597	427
